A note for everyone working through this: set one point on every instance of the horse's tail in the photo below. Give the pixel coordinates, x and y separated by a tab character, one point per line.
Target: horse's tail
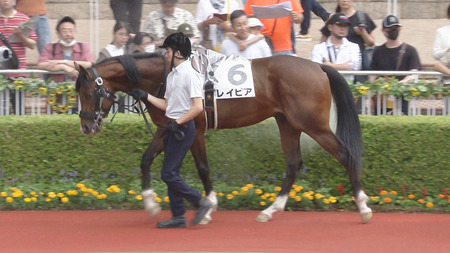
348	130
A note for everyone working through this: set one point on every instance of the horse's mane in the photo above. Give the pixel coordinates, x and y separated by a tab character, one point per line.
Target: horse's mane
127	61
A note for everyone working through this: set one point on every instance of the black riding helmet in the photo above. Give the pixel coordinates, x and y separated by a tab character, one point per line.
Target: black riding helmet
178	42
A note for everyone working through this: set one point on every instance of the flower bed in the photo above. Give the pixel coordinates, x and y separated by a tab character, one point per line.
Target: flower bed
94	195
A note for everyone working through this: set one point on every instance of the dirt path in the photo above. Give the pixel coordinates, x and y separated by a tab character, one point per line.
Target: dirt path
231	231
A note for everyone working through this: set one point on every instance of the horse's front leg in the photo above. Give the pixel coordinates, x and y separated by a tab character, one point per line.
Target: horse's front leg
290	142
198	150
153	150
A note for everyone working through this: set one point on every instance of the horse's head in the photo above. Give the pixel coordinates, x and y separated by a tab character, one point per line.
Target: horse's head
95	98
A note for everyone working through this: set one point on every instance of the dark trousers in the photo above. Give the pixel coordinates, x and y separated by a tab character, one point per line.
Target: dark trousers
316	8
128	11
174	152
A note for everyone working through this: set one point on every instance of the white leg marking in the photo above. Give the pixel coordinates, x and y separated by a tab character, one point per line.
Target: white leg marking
150	205
277	206
212	197
364	210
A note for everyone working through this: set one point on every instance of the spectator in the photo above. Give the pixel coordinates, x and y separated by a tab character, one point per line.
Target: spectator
9	27
119	45
395	54
60	56
441	49
165	21
144	43
316	8
216	25
278	29
337	51
188	30
128	11
37	7
255	50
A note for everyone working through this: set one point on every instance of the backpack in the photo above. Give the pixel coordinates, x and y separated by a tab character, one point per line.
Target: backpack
8	58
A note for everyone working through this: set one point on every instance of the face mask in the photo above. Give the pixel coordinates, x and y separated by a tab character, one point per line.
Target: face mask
150	48
62	42
392	34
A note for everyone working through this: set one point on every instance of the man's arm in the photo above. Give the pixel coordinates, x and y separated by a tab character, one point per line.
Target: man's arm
196	108
27	42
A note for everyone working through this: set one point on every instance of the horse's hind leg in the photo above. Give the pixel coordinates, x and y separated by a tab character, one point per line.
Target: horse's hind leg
153	150
331	143
198	150
290	142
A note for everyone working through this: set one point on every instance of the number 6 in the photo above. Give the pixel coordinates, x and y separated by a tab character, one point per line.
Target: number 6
233	72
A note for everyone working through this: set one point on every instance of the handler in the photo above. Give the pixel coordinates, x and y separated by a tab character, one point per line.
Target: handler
182	103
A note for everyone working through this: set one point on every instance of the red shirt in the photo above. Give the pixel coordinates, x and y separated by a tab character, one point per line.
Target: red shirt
78	54
280	30
7	25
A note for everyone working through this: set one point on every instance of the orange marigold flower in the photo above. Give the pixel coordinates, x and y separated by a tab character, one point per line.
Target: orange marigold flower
441	196
429	204
420	201
393	192
411	196
382	193
387	200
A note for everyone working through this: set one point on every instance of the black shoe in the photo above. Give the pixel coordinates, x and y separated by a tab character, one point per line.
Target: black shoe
205	205
175	222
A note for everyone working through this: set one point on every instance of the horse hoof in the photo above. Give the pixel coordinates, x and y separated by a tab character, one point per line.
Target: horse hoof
263	217
365	216
153	210
205	220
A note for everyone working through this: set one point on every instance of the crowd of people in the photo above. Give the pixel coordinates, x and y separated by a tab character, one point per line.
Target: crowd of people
226	26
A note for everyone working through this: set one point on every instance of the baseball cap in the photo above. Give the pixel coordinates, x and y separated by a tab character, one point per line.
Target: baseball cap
339	19
254	22
391	20
64	20
186	29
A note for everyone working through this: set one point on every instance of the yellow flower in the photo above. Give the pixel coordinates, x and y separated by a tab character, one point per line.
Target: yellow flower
250	186
62	108
34	199
102	196
166	199
230	196
411	196
298	188
59	90
83	189
393	192
33	193
158	200
138	197
70	87
27	200
80	185
263	197
65	200
3	194
17	194
131	192
272	199
220	194
277	188
235	193
203	194
414	91
382	193
262	203
60	194
18	87
374	198
326	201
43	90
72	193
298	198
292	194
386	86
9	200
90	190
51	100
85	194
363	90
333	199
51	195
429	204
48	200
94	193
318	196
310	197
387	200
258	191
273	195
244	189
420	201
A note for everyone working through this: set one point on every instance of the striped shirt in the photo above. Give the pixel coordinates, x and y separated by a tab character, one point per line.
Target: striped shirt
7	26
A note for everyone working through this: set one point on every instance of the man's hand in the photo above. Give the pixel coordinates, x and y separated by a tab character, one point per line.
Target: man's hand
138	94
175	128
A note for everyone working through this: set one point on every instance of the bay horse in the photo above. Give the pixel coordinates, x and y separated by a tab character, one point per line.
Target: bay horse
295	91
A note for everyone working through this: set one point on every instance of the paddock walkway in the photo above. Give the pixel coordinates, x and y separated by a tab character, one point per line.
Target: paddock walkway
230	231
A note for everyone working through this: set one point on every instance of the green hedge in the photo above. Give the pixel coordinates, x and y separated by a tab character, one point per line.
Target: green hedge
399	151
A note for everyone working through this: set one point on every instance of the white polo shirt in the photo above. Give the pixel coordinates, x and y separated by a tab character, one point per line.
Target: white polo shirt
346	52
183	84
256	50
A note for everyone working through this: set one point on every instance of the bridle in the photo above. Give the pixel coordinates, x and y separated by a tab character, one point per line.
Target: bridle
100	93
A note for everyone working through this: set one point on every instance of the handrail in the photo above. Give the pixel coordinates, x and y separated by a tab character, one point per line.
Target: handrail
343	72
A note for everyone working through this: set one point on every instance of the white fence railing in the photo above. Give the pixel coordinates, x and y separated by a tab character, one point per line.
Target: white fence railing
21	102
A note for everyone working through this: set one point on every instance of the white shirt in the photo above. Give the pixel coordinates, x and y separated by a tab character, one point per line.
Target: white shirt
205	10
114	51
346	52
183	84
441	44
258	49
